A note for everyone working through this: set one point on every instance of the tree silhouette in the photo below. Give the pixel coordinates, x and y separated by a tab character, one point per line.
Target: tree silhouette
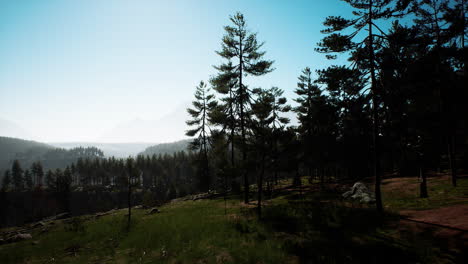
366	13
203	106
17	176
240	45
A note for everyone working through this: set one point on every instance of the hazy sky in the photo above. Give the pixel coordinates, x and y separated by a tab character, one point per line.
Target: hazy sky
74	70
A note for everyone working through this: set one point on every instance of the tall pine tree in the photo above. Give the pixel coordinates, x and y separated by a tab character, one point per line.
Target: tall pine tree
367	13
242	51
203	106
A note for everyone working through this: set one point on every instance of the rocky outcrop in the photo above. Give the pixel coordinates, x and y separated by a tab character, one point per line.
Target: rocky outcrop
359	192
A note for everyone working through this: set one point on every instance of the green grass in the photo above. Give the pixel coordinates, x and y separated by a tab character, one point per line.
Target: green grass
184	232
313	226
441	194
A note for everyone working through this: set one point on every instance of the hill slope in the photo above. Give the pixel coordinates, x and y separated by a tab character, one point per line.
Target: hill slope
27	152
12	148
167	148
306	224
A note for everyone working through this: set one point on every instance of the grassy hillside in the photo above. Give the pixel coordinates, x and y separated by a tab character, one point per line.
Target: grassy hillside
299	224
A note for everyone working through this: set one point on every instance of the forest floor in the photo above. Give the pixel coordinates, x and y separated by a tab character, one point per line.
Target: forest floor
308	224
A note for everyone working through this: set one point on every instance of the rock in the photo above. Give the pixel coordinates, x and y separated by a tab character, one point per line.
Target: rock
98	215
361	193
18	237
38	224
366	198
347	194
62	216
153	211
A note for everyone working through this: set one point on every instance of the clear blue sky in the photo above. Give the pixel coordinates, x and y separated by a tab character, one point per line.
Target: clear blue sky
71	70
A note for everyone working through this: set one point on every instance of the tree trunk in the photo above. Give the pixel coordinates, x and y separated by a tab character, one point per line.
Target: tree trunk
452	159
422	184
129	202
260	188
242	125
375	127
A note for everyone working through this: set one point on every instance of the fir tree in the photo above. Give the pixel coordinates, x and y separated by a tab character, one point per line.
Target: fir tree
203	106
17	176
242	51
6	181
367	12
28	180
37	173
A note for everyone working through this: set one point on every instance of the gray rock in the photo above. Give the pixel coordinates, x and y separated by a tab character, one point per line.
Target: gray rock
38	224
62	216
360	192
19	237
153	211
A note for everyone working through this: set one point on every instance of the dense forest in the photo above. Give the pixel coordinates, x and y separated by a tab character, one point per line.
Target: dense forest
396	108
29	152
166	148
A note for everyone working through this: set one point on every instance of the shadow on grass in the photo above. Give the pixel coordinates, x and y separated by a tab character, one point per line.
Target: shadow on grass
318	228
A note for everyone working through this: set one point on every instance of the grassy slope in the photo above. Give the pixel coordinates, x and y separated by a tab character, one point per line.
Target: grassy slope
315	226
403	193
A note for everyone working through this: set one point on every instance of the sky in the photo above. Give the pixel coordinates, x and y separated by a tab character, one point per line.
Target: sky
79	70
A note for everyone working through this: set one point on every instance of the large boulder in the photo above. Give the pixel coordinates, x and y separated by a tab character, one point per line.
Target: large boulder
19	237
360	192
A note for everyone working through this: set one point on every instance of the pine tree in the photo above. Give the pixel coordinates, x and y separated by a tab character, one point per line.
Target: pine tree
203	106
242	51
431	18
262	109
17	176
37	173
224	114
6	181
367	12
50	180
279	122
132	175
28	180
314	116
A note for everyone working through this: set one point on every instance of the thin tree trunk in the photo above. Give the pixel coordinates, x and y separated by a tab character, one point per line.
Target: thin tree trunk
129	202
378	195
452	159
423	184
260	188
242	125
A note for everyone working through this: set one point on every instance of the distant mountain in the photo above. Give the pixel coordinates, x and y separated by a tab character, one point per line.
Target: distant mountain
167	148
11	129
169	128
118	150
27	152
10	148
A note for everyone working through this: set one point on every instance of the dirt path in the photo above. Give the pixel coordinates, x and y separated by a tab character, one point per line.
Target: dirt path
448	224
453	216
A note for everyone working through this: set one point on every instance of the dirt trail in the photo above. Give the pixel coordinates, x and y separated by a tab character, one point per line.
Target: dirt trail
453	216
449	224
